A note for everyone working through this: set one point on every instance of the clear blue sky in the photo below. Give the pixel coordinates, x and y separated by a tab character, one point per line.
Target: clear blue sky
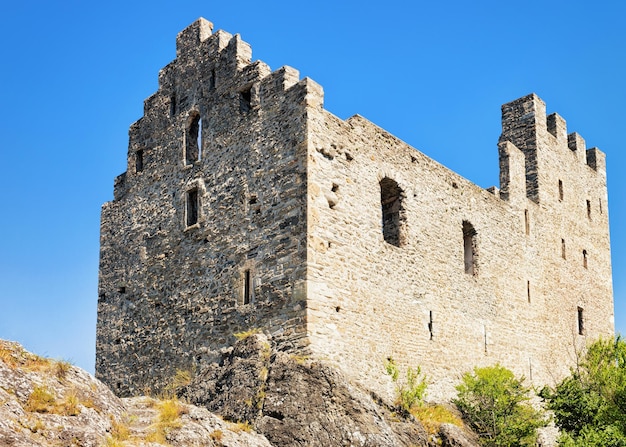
74	76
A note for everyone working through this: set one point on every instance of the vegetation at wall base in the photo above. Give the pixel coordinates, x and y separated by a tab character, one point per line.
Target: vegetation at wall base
495	405
411	390
590	405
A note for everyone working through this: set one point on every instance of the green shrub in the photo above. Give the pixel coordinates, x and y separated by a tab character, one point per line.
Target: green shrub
590	405
410	392
495	404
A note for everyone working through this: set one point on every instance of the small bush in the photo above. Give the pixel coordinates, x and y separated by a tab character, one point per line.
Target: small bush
494	403
590	405
410	392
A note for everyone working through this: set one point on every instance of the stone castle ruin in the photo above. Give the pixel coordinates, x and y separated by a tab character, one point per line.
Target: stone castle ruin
246	205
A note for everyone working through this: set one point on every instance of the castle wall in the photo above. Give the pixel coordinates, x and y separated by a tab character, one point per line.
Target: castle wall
246	205
369	299
203	242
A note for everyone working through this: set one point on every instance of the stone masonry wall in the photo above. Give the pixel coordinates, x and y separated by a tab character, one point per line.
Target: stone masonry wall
194	233
247	205
369	300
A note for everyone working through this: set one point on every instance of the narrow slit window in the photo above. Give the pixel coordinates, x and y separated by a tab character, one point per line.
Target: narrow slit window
600	205
192	207
393	214
469	248
212	80
247	289
589	209
528	290
173	105
139	160
581	322
485	337
585	258
431	324
560	190
527	222
193	140
563	249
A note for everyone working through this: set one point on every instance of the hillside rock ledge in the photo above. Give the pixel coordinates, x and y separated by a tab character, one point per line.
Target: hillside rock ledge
264	398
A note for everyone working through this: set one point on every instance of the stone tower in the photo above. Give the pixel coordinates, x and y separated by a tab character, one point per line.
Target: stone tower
247	205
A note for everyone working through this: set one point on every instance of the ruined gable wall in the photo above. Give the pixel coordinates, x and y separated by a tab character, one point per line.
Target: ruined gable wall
368	299
171	294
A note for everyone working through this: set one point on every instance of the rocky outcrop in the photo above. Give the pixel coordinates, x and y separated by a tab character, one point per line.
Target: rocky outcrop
49	403
297	402
264	398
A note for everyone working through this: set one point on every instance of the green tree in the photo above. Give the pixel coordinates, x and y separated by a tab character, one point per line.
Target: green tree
590	405
495	404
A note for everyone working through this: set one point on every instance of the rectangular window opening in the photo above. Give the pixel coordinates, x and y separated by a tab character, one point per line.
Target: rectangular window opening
589	209
560	190
528	290
139	160
247	290
581	322
192	207
563	248
600	205
245	100
585	258
469	248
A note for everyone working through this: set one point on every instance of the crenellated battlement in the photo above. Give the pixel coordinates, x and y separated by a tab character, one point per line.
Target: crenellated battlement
545	144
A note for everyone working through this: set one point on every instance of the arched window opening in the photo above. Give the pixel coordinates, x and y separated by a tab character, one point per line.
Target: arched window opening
469	248
193	140
394	218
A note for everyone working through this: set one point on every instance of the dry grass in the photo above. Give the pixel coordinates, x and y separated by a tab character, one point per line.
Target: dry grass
61	368
432	416
237	427
167	420
216	435
41	400
245	334
16	357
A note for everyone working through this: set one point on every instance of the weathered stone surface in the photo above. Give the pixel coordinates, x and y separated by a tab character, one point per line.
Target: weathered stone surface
87	420
297	402
247	205
454	436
